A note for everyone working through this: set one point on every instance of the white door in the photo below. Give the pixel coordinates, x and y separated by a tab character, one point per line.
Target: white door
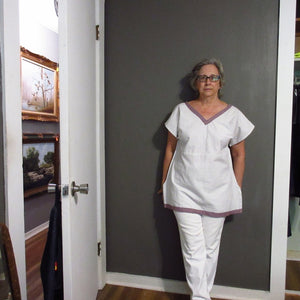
78	112
79	143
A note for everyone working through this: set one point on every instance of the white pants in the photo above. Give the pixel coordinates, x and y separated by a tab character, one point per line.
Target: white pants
200	238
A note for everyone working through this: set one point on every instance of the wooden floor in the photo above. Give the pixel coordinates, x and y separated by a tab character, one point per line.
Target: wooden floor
34	251
114	292
293	275
292	297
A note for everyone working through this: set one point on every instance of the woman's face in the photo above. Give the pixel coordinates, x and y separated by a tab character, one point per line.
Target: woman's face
207	87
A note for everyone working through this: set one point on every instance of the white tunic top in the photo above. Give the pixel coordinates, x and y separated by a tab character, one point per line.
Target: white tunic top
200	178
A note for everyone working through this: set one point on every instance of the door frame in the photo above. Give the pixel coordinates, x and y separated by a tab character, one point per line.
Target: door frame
12	133
100	95
281	180
9	38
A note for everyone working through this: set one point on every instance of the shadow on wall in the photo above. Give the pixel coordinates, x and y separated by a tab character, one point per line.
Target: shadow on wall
165	222
167	231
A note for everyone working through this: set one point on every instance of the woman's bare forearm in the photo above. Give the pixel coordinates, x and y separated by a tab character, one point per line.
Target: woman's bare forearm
238	160
169	152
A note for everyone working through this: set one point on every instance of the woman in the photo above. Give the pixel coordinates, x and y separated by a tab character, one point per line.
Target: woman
203	172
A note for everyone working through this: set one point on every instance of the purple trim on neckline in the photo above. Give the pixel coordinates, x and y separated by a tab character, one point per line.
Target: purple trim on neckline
207	121
203	212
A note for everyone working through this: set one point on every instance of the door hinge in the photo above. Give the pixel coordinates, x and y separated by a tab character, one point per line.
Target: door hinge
99	248
97	32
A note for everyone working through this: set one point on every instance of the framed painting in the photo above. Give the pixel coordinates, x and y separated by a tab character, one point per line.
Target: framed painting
40	162
39	87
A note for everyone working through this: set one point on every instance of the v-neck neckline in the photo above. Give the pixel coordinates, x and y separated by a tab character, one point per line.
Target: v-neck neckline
204	120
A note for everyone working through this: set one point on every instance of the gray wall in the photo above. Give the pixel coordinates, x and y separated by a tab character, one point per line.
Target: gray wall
150	48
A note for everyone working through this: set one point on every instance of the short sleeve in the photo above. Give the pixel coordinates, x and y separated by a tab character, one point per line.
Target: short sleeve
243	127
172	123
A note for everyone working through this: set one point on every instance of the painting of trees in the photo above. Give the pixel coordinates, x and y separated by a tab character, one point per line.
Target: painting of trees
39	82
38	165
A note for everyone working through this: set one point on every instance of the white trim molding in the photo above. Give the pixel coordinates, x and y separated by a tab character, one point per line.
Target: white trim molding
290	292
285	69
36	230
12	133
100	95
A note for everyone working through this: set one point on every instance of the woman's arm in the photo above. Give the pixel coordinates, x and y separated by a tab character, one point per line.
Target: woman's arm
238	160
170	149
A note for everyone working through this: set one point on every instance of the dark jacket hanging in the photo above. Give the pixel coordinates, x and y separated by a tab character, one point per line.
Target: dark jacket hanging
52	264
295	149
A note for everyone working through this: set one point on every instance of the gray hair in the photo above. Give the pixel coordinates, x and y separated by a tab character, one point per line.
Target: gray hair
211	61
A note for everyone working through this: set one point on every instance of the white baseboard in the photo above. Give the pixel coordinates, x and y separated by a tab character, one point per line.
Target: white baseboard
290	292
149	283
180	287
36	230
293	255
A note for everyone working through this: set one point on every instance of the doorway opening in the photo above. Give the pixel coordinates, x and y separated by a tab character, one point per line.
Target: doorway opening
40	127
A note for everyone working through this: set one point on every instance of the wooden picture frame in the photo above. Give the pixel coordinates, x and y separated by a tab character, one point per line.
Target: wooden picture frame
39	87
9	280
40	162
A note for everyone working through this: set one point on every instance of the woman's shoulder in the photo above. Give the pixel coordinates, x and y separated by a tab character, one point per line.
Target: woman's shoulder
238	115
234	110
180	106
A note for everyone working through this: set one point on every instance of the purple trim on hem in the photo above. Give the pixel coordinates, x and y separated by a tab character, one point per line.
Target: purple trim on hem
203	212
207	121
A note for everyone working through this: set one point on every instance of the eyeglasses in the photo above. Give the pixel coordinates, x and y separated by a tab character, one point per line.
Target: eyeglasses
212	78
